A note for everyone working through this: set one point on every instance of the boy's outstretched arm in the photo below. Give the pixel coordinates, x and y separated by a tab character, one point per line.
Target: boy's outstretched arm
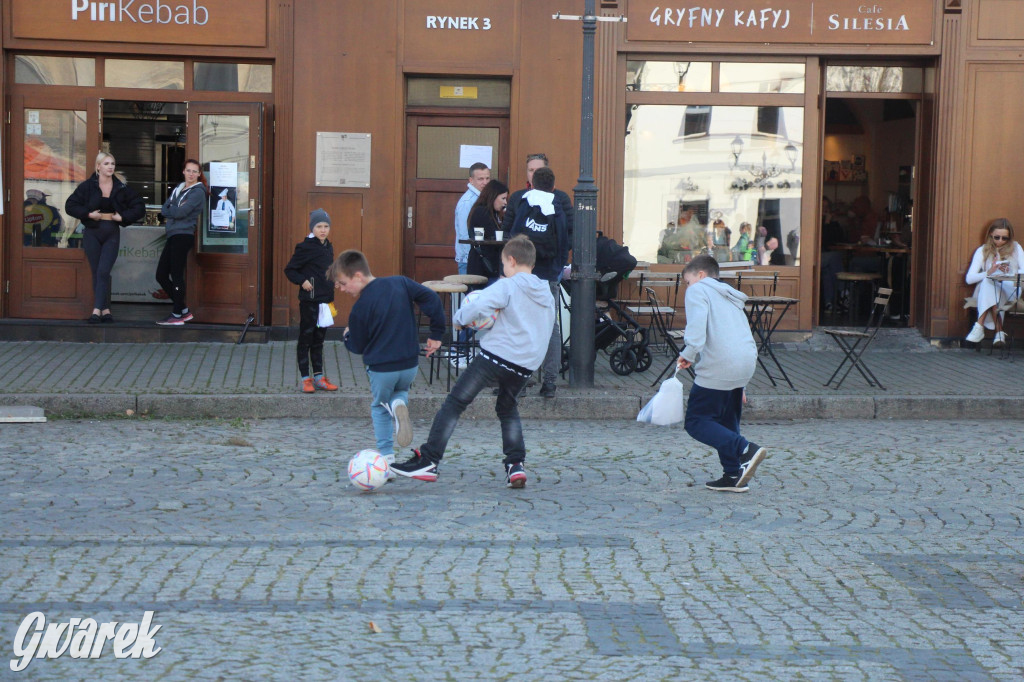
430	305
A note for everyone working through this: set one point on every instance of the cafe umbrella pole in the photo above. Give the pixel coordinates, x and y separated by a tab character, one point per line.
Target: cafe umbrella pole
584	241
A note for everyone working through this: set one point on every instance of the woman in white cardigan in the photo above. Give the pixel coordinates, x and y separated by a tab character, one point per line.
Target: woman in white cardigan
999	255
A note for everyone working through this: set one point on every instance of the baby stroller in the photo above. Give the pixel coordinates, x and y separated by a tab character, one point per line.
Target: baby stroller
613	323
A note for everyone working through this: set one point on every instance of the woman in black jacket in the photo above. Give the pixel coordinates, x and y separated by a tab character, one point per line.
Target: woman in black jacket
487	213
104	204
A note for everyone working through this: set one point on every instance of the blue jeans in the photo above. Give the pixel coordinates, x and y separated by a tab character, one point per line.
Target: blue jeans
462	267
480	374
713	418
386	387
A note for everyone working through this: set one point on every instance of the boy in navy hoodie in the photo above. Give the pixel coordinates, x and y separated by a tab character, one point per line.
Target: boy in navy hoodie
308	269
721	349
382	328
510	352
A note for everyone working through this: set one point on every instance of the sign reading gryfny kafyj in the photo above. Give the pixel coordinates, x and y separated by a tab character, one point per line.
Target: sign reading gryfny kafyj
801	22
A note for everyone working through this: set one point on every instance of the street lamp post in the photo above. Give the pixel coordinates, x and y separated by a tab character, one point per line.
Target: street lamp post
584	240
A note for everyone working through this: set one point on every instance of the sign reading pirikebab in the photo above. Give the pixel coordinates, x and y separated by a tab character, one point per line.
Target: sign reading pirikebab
156	12
82	638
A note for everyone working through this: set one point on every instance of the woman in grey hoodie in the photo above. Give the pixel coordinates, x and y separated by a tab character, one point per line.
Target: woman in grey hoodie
181	210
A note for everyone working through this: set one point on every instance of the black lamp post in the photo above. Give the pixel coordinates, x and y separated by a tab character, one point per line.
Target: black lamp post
584	239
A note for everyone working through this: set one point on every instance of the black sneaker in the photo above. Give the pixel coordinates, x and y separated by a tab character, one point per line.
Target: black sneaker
727	484
752	456
418	467
515	475
547	390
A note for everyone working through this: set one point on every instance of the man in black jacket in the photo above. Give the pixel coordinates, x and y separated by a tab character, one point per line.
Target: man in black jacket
533	162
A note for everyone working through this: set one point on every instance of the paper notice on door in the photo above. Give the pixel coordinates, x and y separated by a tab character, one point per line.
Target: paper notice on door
223	174
474	153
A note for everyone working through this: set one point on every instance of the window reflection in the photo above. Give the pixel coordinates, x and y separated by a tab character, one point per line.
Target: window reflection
224	152
152	75
707	178
54	164
761	77
41	70
874	79
233	77
650	76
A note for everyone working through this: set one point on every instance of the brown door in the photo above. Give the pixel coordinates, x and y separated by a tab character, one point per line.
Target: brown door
53	148
224	284
437	173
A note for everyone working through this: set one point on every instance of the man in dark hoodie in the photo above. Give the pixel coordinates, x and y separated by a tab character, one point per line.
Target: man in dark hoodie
721	349
308	269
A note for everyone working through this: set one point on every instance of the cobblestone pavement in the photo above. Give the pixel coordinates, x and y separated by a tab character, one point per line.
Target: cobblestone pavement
864	551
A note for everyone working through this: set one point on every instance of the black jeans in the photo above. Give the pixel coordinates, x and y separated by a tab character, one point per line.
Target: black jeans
311	339
101	244
482	373
170	271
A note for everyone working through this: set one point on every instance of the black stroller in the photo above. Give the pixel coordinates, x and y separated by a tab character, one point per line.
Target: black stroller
613	323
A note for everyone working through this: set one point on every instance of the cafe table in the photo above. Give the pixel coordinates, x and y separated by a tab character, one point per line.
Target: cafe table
887	254
765	313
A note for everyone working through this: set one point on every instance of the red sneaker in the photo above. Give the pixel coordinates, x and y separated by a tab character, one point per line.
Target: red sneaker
324	384
307	385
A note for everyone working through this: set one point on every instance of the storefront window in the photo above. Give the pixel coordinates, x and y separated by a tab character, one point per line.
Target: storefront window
233	77
40	70
874	79
224	150
54	164
651	76
707	178
152	75
761	77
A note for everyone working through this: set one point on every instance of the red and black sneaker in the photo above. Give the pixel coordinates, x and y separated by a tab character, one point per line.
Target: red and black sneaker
418	467
515	475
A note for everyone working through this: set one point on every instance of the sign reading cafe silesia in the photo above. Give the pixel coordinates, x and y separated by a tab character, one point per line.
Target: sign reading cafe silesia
180	22
831	22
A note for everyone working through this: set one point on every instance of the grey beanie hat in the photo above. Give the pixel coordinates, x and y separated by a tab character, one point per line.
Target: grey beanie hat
318	216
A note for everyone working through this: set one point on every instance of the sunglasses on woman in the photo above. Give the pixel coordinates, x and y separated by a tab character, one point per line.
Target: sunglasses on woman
1000	238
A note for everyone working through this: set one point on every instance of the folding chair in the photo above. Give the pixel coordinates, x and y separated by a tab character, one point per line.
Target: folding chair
854	343
668	283
673	337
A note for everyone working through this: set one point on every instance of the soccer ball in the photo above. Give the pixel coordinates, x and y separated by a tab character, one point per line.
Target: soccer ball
368	470
482	322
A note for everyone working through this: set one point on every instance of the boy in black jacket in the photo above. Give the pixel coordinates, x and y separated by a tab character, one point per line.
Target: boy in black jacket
308	269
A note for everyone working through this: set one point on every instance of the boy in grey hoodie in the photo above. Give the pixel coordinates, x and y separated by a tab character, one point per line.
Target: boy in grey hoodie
510	352
721	349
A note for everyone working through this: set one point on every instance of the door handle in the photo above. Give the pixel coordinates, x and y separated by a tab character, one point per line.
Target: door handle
408	217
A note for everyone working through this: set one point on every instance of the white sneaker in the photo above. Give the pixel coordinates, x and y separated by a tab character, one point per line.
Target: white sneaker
403	425
977	333
1000	340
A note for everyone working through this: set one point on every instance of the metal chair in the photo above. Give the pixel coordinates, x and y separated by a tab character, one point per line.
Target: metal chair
673	337
854	343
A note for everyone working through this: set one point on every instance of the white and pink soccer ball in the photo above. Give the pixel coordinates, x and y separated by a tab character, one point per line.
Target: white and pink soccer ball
484	321
368	470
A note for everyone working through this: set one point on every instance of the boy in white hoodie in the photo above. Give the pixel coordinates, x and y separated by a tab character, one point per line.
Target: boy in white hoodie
510	352
721	349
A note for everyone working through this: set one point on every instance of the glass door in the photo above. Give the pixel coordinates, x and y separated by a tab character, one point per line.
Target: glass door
227	139
51	141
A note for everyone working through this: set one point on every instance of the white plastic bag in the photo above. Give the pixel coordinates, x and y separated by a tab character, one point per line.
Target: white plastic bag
324	317
666	407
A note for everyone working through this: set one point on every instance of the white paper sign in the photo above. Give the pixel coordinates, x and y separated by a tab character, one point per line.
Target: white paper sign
474	153
223	174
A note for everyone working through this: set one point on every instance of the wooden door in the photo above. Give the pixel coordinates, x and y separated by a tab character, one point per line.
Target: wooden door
435	179
225	280
53	148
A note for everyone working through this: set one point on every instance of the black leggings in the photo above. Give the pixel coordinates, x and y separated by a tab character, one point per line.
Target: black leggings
101	244
170	271
311	339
